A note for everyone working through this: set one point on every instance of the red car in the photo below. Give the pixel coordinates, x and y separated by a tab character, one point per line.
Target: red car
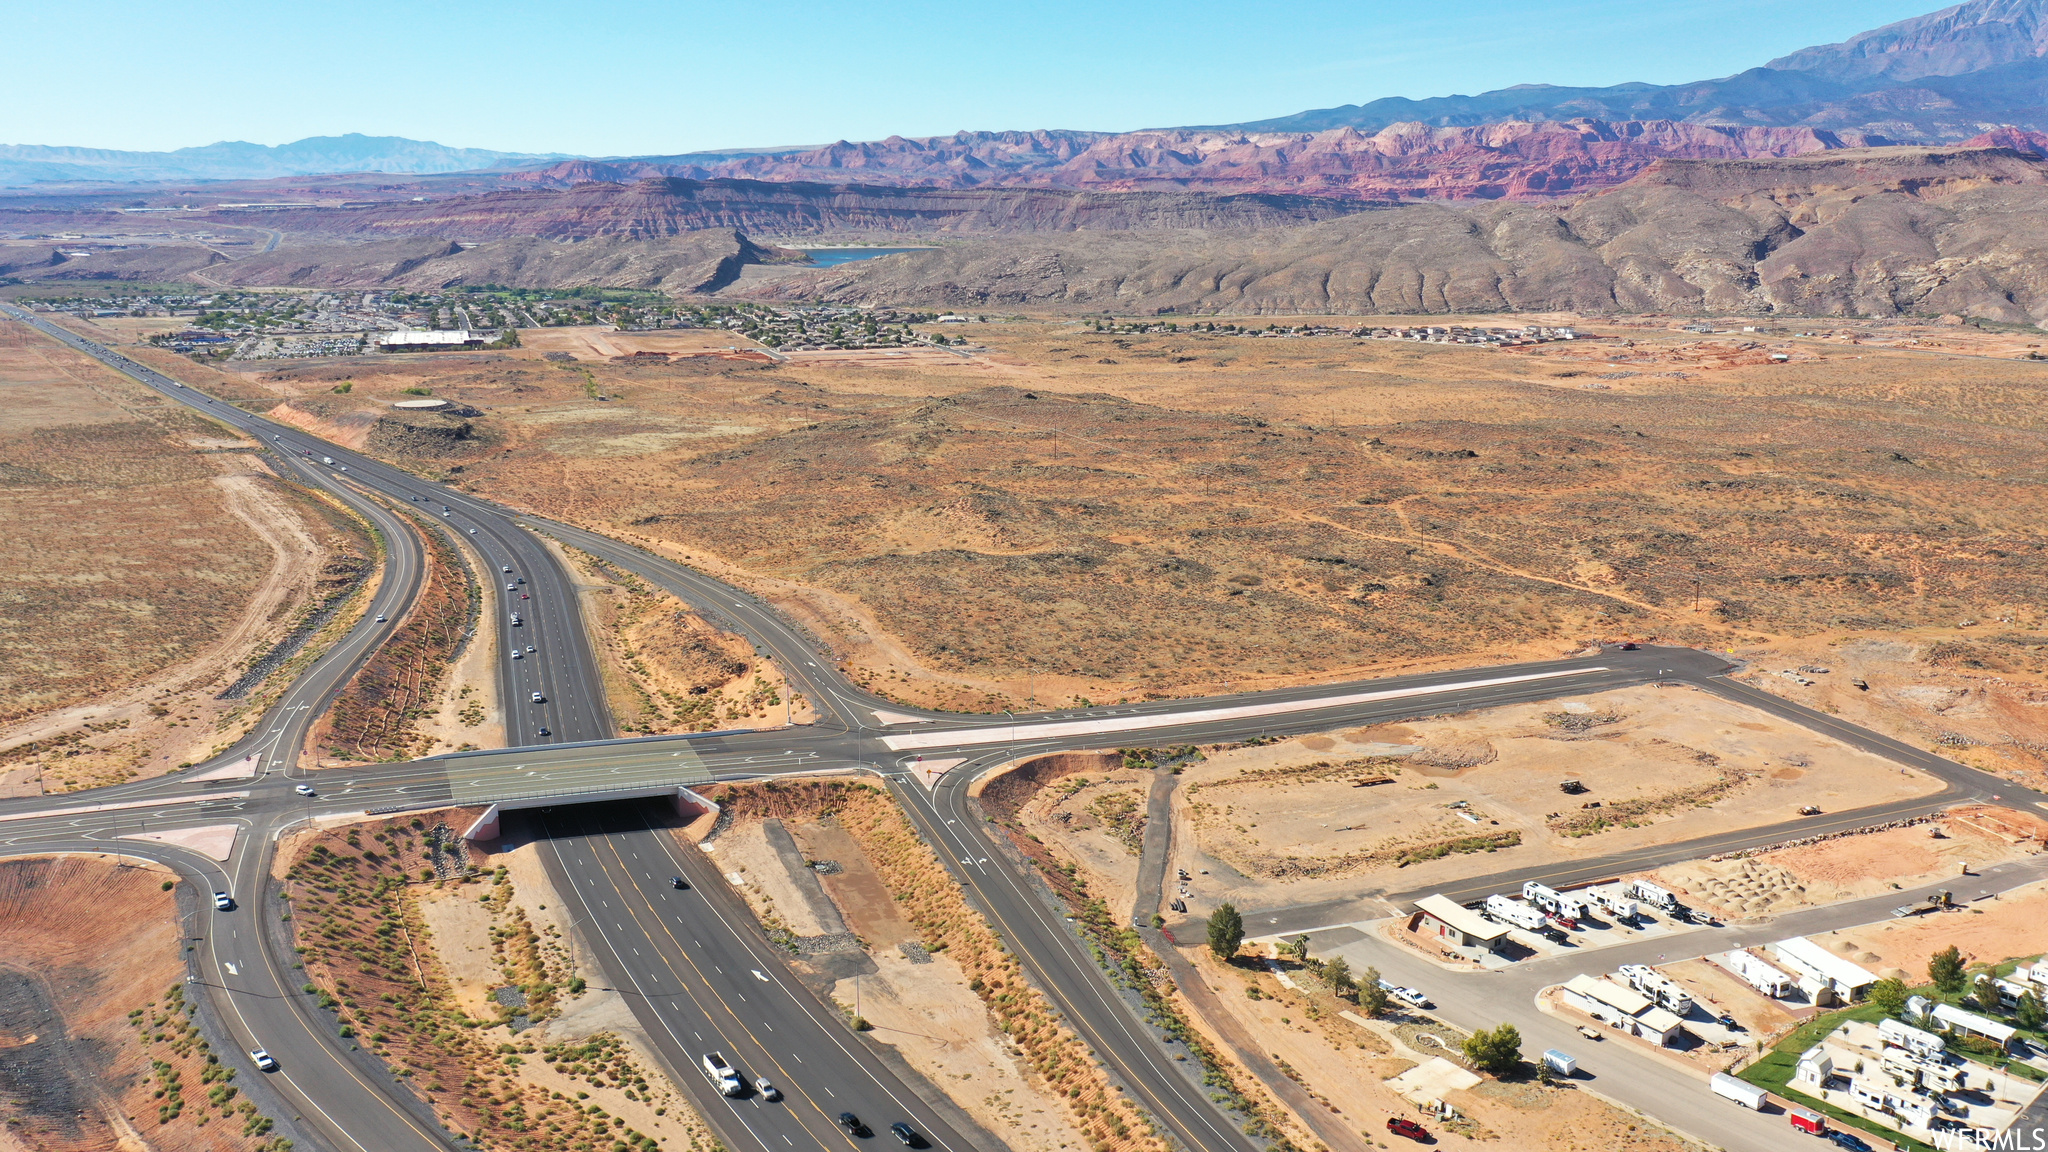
1408	1128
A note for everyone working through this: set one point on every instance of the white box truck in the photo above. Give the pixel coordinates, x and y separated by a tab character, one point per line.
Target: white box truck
1559	1062
1506	910
1741	1091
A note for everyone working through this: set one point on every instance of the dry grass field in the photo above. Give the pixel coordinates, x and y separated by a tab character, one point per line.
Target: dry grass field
1070	514
148	553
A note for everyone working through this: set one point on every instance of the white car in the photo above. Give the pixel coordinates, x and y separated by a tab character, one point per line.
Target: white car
264	1060
511	587
539	699
518	655
1412	997
303	789
223	901
508	569
380	618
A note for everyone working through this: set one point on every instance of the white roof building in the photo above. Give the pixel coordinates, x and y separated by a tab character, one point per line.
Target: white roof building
1972	1024
1453	921
1815	1066
1621	1006
1815	964
425	339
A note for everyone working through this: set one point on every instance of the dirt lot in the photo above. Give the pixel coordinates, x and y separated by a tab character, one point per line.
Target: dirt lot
1969	691
1987	931
1714	985
1301	819
76	1080
148	555
603	343
1857	866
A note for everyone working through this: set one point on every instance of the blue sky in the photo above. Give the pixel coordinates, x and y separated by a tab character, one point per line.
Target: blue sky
609	77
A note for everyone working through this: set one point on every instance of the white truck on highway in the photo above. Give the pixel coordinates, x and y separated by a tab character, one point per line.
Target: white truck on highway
1658	987
1507	910
721	1075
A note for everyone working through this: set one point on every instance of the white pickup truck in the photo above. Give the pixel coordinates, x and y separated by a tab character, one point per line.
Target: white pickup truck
721	1075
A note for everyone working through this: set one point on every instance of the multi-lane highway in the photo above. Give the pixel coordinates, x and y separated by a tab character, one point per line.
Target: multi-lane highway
694	969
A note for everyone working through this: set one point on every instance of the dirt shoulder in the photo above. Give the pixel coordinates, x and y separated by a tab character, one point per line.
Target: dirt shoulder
103	1048
665	668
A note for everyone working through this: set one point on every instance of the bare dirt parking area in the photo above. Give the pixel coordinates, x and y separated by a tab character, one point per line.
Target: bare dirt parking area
1852	867
1431	800
1987	931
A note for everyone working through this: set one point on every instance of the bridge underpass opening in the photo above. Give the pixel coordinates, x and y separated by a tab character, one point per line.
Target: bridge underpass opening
688	806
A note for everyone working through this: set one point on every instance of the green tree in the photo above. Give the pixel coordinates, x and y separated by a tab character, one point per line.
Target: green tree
1297	947
1497	1050
1945	968
1986	992
1337	974
1226	931
2031	1013
1889	995
1372	999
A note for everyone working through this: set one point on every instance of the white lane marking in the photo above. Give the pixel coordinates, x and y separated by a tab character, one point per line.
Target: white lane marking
1012	733
230	966
759	976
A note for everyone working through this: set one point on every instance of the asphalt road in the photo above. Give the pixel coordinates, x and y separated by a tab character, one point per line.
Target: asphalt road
683	984
701	979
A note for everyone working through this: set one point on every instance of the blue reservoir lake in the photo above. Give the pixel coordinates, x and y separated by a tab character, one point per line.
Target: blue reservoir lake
827	257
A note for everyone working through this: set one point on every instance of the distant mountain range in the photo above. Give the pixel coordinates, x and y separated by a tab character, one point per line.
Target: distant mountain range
1945	78
1938	78
239	160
